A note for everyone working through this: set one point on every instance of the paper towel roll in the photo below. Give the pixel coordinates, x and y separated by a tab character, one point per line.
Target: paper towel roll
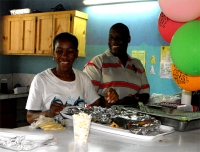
186	97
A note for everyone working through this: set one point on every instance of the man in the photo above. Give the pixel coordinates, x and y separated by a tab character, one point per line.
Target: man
117	70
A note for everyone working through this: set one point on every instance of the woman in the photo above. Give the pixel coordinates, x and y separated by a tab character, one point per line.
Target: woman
54	89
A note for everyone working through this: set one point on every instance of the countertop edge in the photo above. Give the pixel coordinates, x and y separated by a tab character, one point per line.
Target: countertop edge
11	95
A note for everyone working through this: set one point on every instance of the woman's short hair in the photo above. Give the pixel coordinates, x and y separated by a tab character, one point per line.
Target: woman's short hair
66	36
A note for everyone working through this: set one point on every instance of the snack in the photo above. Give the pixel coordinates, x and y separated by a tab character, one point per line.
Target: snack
118	117
114	125
46	123
81	124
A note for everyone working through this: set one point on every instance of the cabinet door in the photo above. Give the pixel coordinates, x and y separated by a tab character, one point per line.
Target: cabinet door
61	23
4	27
44	35
14	35
79	29
8	113
28	35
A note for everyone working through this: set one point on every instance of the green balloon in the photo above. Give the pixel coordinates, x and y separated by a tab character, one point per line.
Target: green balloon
185	48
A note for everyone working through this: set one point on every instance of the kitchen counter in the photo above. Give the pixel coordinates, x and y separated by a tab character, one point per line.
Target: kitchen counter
11	95
106	142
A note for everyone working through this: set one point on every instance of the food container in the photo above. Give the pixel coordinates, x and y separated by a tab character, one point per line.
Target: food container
180	125
19	90
180	120
20	11
122	121
164	130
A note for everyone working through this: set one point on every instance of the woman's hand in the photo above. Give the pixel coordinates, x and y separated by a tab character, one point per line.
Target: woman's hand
111	96
55	108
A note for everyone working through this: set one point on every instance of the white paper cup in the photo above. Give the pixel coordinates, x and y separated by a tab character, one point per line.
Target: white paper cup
81	125
186	97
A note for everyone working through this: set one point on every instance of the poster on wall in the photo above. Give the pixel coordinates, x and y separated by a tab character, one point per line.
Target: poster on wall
140	54
165	63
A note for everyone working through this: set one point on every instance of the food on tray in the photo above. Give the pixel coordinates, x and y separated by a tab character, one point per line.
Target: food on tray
125	118
114	125
46	123
121	122
137	123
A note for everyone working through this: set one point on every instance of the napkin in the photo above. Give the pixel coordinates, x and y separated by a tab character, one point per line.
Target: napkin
23	140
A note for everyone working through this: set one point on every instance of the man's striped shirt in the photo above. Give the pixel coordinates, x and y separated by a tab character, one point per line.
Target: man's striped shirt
106	71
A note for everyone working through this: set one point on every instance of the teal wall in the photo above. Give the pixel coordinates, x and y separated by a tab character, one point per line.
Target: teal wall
141	18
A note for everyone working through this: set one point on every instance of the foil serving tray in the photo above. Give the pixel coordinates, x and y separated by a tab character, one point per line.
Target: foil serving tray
180	125
122	132
180	120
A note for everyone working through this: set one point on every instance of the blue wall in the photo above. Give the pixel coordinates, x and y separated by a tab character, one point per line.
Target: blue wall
141	18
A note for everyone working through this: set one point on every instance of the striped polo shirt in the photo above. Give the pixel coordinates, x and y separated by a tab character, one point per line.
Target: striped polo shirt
106	71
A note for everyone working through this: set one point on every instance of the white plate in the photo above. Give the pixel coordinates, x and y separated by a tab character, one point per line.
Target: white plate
38	137
122	132
66	116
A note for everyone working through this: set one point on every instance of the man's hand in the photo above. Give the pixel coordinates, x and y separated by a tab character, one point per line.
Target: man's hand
111	96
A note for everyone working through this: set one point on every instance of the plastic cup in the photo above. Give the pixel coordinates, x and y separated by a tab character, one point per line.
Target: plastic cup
81	125
186	97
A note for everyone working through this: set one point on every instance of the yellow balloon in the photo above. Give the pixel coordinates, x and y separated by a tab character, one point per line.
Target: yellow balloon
184	81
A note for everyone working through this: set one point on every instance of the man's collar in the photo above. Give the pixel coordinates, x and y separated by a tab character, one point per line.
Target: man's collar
108	53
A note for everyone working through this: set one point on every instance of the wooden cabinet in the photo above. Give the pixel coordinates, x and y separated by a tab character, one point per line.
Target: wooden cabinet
48	26
19	35
44	35
32	34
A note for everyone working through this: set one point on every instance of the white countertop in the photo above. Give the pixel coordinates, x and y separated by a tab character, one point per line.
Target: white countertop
11	95
188	141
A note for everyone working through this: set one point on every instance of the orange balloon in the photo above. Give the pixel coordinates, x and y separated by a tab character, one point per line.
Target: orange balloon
184	81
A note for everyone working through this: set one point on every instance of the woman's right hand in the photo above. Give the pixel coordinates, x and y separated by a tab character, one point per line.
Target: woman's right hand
55	108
